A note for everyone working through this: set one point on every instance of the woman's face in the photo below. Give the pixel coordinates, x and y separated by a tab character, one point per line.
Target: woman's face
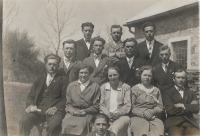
146	77
84	75
113	76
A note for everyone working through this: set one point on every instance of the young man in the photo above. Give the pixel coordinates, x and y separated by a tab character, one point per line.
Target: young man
46	100
129	65
163	71
68	62
148	49
83	47
98	61
115	49
181	104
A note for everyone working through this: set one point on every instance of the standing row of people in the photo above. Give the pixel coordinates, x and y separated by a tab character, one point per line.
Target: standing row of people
132	84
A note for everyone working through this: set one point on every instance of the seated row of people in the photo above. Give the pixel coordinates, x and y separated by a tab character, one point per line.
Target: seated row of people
128	108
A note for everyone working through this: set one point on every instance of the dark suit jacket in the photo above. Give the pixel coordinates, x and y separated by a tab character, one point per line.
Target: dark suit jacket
128	75
178	115
164	81
82	51
55	92
143	52
66	71
108	133
98	74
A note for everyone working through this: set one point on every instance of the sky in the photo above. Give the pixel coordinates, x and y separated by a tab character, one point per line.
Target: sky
101	13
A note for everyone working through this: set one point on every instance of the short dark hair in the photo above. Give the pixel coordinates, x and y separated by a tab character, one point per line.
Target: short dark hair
164	47
148	24
143	68
69	41
87	24
130	40
52	56
115	26
82	65
100	115
98	38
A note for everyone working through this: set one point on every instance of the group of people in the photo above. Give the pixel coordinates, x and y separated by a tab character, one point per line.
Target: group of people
112	89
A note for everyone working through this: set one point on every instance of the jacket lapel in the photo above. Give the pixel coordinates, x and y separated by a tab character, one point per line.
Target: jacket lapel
155	50
84	46
161	71
55	80
186	94
40	85
87	89
177	95
102	63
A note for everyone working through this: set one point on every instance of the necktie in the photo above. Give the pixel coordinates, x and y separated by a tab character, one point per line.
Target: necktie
49	81
150	49
129	63
165	68
87	40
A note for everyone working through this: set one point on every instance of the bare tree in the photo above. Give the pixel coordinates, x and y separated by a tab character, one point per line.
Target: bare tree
56	23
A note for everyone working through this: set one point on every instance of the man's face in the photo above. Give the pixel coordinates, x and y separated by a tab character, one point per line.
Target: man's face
87	32
129	48
100	125
149	33
68	50
116	34
180	79
52	66
164	56
98	47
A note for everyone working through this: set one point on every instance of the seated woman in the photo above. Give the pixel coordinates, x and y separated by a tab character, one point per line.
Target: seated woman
147	106
82	102
100	123
115	102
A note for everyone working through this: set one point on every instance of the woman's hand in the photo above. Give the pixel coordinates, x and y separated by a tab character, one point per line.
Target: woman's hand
114	116
148	115
79	113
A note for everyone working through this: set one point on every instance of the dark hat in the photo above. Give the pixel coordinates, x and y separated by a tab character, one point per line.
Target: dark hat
52	56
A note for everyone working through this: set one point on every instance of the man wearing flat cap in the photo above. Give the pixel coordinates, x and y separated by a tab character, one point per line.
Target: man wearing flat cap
46	100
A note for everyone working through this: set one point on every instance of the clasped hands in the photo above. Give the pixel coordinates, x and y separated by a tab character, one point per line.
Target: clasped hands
79	113
113	116
148	115
33	108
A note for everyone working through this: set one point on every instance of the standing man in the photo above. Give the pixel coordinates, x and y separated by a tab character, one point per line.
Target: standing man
163	71
100	62
68	62
46	100
115	49
180	104
83	45
148	49
129	65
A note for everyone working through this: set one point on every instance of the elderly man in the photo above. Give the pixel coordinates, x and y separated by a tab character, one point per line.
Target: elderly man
129	65
115	49
181	104
46	100
83	47
163	71
69	61
148	49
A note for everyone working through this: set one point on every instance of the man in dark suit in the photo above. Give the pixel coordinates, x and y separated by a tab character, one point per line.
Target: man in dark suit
69	60
163	71
83	48
115	49
148	49
98	61
181	104
46	100
128	66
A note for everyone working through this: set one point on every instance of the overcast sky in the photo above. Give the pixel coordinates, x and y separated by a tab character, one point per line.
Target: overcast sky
101	13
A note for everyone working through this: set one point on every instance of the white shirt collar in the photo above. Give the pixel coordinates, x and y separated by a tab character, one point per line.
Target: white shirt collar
132	58
97	55
85	39
99	135
85	84
65	58
51	76
163	64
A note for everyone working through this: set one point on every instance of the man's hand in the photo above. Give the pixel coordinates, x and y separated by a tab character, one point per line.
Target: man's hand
179	105
28	109
51	111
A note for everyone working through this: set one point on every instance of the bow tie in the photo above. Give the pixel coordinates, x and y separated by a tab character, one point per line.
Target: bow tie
96	57
87	40
181	89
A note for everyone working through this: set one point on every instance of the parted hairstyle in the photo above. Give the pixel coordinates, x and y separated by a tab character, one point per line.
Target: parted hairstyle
69	41
186	79
115	26
52	56
87	24
148	24
130	40
98	38
82	65
100	115
164	47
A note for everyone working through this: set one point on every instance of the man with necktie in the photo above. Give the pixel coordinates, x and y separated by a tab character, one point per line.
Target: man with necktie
83	47
130	65
46	100
163	71
148	49
180	104
69	61
100	62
